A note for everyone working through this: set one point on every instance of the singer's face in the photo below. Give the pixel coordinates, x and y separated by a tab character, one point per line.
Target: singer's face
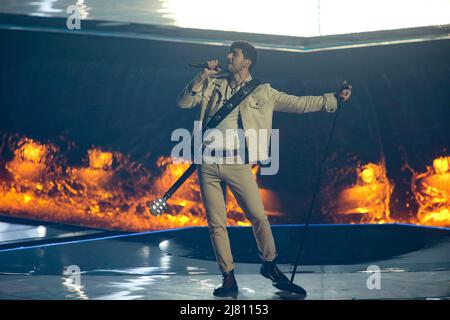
235	60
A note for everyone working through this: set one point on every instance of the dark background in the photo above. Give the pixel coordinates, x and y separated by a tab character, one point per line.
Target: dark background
119	93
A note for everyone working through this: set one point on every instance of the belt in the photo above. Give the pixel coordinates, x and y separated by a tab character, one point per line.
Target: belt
221	152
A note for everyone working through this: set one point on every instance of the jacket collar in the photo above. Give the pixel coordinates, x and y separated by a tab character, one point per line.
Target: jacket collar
221	82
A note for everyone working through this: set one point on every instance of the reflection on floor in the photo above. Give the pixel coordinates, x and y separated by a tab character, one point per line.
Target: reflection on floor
134	267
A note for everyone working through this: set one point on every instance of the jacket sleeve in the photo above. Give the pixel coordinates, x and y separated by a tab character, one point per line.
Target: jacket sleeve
302	104
189	98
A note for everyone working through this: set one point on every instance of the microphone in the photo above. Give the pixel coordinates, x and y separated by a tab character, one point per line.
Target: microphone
201	65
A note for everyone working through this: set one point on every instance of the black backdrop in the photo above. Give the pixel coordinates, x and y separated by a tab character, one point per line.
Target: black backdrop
119	94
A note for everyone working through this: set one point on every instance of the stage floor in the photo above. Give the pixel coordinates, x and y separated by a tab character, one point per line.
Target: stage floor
139	267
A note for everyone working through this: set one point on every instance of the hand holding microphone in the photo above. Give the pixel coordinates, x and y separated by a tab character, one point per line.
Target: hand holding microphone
210	68
201	65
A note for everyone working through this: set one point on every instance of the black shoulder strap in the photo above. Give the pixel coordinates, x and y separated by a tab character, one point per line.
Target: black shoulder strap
231	104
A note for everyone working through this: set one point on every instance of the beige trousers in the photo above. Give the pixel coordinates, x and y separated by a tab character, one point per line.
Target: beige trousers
213	180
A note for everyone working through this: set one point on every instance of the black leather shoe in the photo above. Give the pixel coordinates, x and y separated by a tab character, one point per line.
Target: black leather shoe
280	281
270	270
229	287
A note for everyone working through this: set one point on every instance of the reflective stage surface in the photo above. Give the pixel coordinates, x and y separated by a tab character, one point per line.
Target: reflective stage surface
123	266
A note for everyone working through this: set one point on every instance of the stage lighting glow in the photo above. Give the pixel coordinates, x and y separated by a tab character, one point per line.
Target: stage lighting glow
306	18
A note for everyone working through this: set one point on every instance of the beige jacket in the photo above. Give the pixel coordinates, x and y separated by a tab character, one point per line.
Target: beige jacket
256	110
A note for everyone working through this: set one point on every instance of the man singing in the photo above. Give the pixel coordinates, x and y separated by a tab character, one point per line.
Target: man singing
254	112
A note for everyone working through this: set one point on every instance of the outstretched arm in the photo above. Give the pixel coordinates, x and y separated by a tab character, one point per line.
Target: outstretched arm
302	104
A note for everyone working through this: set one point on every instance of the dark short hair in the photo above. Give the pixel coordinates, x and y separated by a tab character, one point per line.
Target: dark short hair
248	50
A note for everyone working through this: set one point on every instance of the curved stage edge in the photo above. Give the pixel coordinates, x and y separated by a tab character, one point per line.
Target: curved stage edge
414	263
